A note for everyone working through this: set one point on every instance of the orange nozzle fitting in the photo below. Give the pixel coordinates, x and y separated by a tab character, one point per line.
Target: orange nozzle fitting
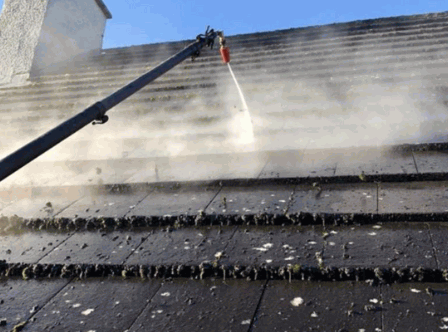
224	50
225	54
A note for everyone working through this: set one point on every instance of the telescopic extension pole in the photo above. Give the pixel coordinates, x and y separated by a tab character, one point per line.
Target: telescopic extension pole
96	112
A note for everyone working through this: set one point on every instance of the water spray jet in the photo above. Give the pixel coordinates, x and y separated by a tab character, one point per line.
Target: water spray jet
244	121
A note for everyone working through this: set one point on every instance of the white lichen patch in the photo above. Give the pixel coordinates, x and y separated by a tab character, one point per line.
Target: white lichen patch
297	301
245	322
312	242
290	258
372	234
186	247
260	249
445	319
331	243
443	327
218	255
333	232
282	201
413	290
165	294
77	305
361	330
314	314
373	300
376	226
287	246
268	245
269	261
87	312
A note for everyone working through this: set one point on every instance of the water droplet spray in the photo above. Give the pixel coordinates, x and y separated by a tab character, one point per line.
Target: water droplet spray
242	128
246	132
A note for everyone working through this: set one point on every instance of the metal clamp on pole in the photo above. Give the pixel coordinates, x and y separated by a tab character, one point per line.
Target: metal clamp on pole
208	39
101	118
96	114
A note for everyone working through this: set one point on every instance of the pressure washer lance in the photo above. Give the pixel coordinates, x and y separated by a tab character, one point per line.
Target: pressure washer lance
224	50
96	113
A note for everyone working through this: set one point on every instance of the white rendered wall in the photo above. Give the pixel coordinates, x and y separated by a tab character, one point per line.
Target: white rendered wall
20	25
70	27
38	34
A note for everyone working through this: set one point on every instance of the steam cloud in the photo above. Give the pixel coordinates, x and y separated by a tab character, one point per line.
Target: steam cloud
172	130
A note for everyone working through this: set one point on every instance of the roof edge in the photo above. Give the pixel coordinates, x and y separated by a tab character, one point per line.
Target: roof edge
104	9
301	28
346	23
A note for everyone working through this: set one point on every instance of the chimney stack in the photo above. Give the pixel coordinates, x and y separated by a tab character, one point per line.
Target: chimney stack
37	34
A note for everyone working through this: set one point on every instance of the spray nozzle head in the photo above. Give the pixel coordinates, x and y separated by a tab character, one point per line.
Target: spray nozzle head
224	50
222	40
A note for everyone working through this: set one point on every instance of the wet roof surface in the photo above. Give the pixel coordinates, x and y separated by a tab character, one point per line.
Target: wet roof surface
193	258
237	305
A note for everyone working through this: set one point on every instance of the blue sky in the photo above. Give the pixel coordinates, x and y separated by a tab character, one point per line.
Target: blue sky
137	22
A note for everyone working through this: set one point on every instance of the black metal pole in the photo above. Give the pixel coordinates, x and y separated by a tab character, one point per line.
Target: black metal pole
34	149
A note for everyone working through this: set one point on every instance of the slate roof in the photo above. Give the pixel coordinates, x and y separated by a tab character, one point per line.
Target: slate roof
157	220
